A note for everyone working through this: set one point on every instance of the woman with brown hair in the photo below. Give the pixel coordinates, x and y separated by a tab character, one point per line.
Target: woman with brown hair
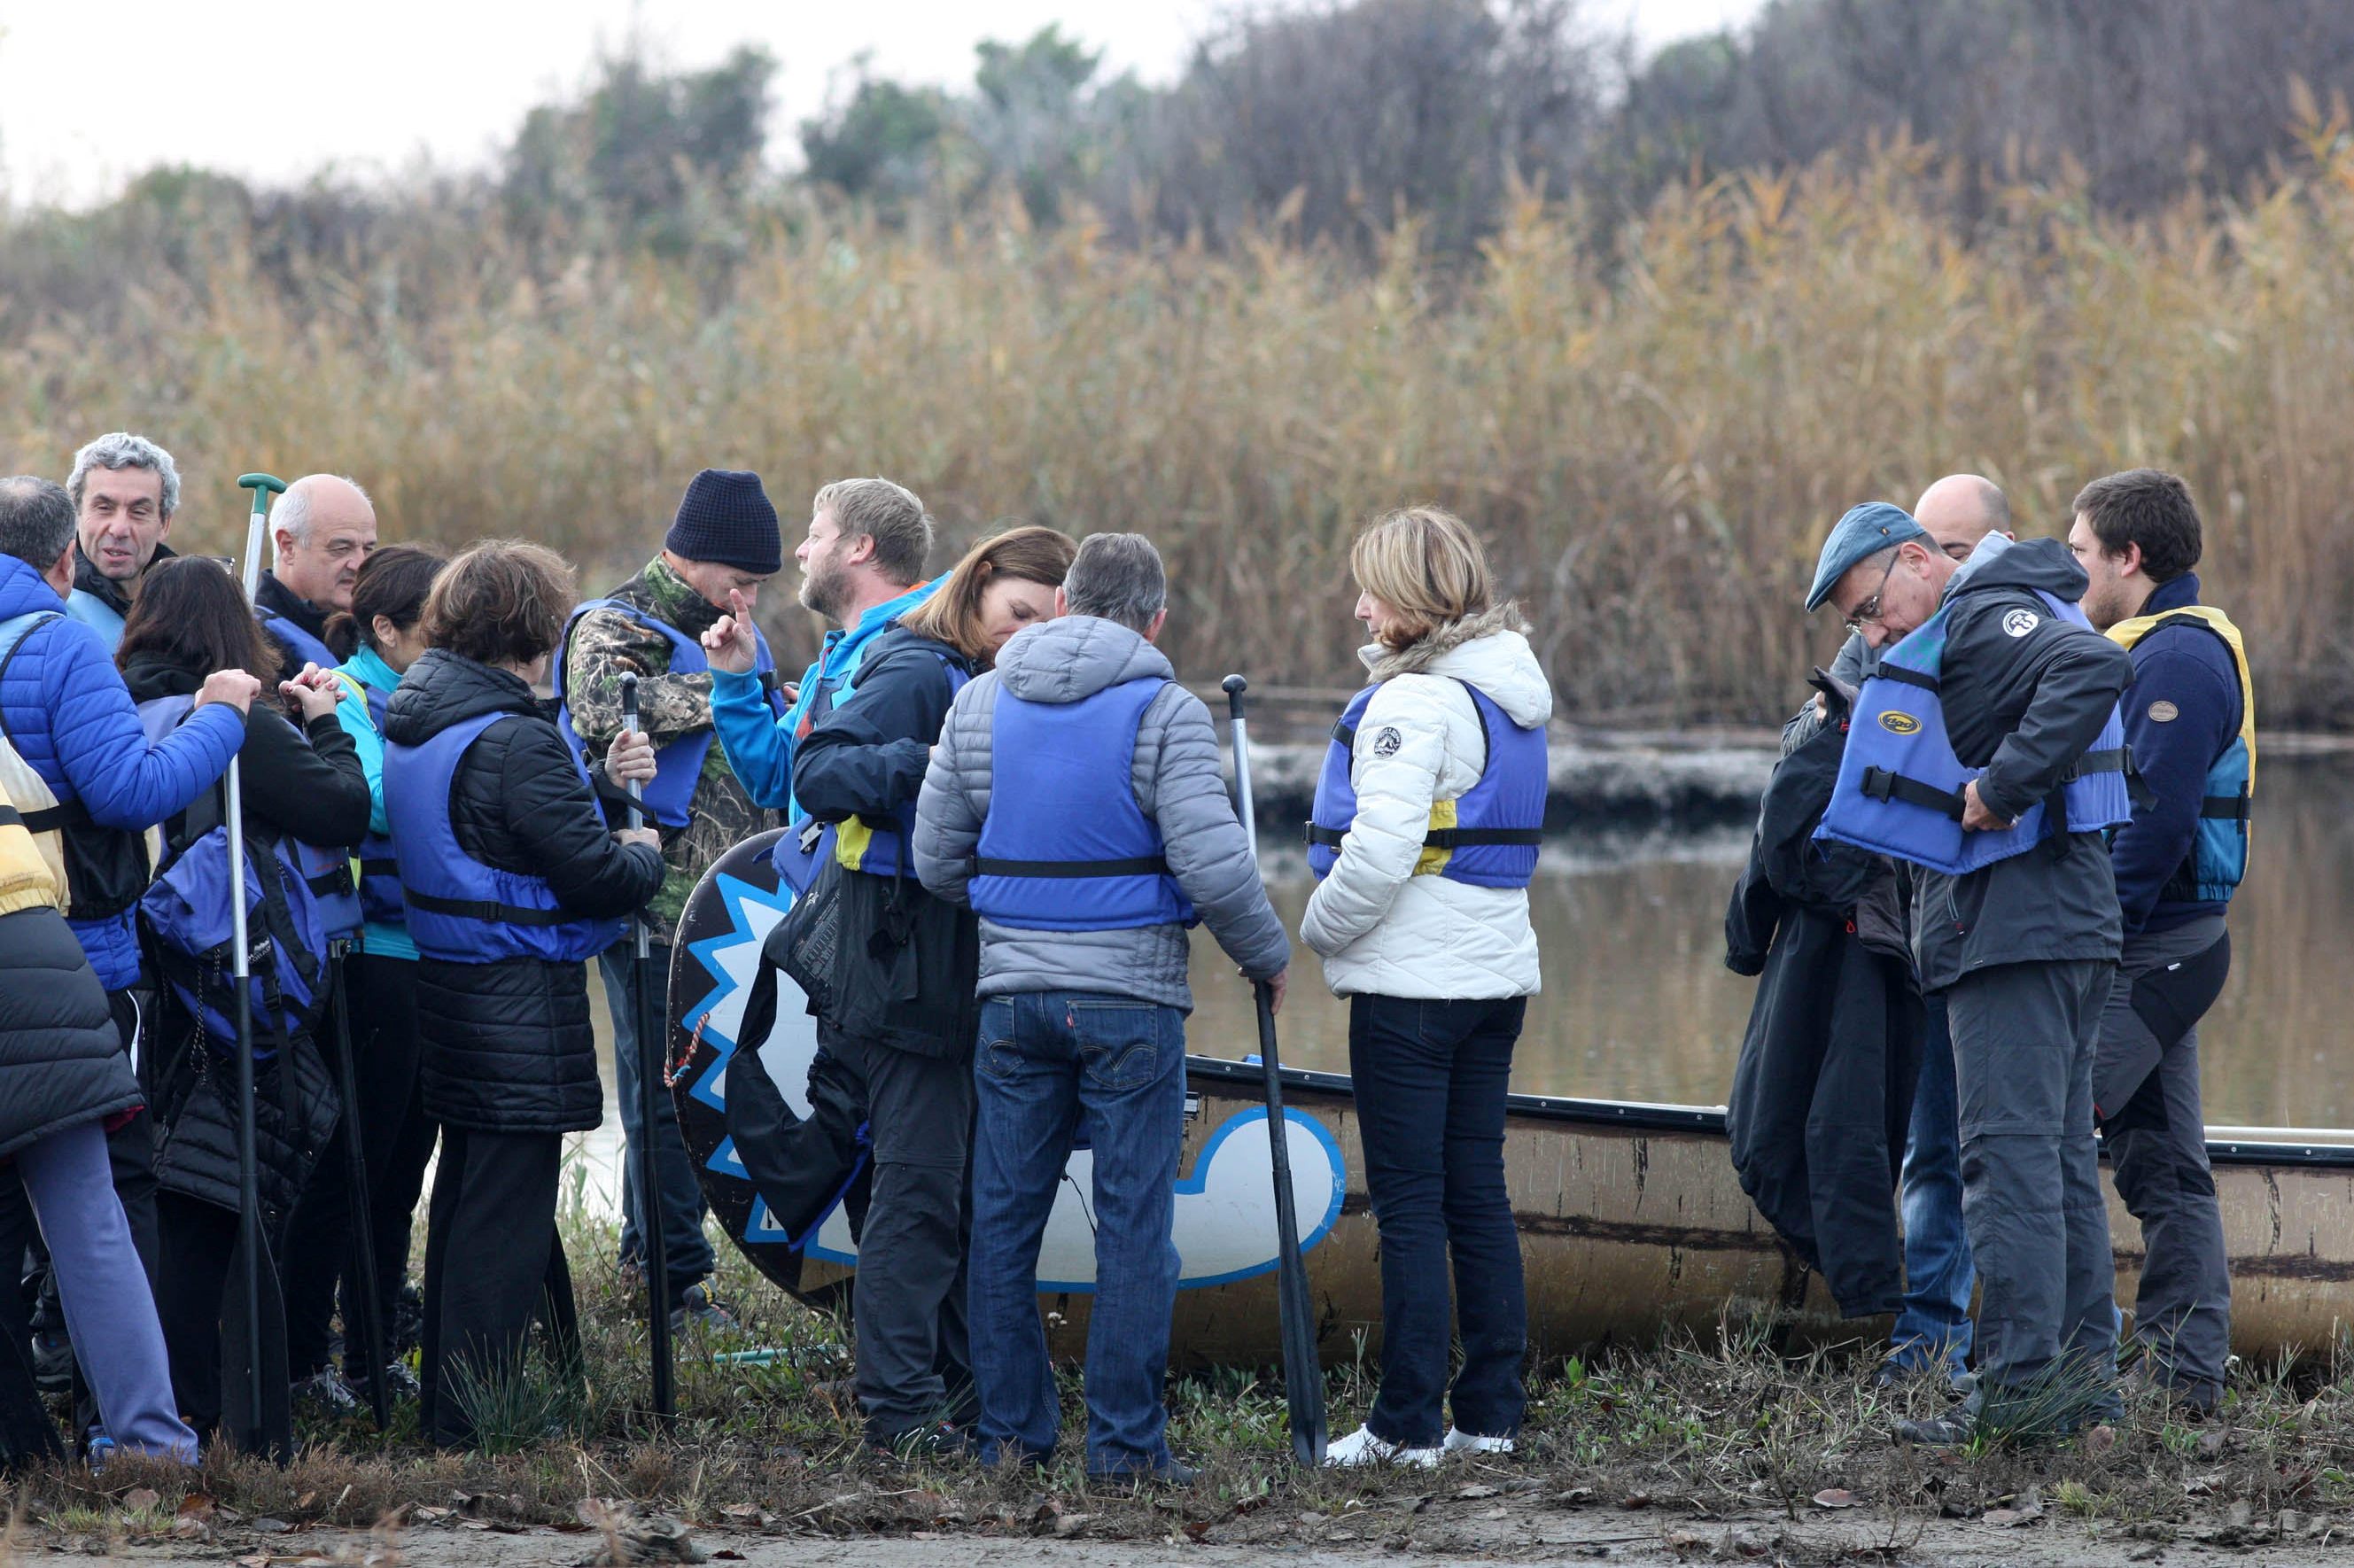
1423	840
301	787
898	1029
511	882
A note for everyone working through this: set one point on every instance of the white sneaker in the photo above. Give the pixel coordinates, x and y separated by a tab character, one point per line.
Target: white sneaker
1362	1448
1460	1442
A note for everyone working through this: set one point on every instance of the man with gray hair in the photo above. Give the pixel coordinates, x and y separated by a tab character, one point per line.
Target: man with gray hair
1075	802
123	490
319	532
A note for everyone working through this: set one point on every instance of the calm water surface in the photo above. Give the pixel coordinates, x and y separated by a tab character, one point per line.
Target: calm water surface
1637	1003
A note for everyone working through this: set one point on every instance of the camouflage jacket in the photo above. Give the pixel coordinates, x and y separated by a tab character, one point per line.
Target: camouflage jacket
605	645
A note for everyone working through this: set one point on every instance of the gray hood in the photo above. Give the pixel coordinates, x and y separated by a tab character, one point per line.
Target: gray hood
1073	658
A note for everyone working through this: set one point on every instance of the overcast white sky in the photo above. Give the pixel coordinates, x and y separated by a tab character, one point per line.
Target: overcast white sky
93	92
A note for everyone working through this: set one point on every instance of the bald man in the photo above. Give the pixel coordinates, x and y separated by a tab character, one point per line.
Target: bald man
321	530
1933	1333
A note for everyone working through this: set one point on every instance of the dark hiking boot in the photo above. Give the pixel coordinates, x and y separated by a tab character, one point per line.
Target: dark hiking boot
1175	1473
697	1311
324	1393
945	1440
1948	1431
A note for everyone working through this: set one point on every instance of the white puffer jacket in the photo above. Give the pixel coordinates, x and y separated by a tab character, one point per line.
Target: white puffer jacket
1381	931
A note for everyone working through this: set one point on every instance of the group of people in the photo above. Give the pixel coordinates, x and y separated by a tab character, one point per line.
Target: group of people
1009	810
1988	897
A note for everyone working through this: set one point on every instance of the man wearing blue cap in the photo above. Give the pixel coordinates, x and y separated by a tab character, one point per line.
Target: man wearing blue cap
2016	932
724	541
1963	514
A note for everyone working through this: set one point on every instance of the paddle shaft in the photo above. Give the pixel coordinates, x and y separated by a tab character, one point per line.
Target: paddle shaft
651	1060
1303	1374
371	1324
248	1179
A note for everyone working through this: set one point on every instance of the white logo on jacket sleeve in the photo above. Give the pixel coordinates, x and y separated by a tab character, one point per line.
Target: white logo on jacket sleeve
1387	743
2020	622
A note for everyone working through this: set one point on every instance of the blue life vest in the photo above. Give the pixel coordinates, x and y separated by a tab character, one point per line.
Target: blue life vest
300	644
678	766
1065	847
98	615
2217	862
1487	837
459	909
326	873
289	922
1900	785
878	845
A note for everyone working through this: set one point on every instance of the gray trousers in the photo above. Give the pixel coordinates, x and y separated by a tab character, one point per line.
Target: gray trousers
2157	1147
2024	1036
913	1363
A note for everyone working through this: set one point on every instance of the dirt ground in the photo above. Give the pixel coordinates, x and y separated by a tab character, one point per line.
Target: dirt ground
1514	1531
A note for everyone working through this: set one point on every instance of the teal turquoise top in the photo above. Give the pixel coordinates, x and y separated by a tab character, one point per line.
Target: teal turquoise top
375	677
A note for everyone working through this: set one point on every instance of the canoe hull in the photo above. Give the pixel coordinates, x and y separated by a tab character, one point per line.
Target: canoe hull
1632	1222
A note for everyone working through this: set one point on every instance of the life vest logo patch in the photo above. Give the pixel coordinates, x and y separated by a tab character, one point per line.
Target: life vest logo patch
1387	742
2020	622
2163	712
1899	724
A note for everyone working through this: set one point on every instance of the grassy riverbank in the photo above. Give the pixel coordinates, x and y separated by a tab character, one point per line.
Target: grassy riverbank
1721	1447
1652	429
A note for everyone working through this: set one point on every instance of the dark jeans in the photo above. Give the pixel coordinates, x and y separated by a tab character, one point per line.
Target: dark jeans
397	1140
908	1305
493	1265
687	1251
1934	1329
1052	1064
199	1239
1430	1083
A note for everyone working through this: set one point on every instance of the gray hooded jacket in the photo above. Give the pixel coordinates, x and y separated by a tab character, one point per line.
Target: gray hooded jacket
1178	785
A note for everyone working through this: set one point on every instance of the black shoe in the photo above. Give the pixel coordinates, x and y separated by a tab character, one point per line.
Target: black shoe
1938	1431
408	1326
697	1310
53	1361
946	1440
1175	1473
400	1384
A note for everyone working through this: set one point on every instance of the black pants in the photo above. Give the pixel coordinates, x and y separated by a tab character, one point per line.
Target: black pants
492	1267
1430	1084
914	1362
397	1139
197	1242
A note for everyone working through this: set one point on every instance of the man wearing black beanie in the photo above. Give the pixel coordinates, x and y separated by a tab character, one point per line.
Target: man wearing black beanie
725	539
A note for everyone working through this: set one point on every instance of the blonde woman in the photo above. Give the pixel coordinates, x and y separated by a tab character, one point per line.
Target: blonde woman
1423	841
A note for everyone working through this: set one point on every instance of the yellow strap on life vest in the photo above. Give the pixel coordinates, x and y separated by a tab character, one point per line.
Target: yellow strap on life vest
1433	862
851	837
2126	633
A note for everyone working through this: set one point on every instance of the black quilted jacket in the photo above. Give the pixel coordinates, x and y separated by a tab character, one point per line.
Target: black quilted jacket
507	1045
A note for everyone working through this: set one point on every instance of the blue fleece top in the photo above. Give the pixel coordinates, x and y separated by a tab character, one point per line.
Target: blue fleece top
2189	669
71	719
760	746
380	939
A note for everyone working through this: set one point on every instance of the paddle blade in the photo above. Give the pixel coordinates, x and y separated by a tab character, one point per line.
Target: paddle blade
268	1429
1303	1370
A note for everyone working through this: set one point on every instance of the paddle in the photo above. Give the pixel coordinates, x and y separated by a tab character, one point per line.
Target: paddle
1303	1371
371	1323
652	1059
256	1403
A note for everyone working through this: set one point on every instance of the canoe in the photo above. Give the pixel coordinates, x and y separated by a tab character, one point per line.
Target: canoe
1631	1220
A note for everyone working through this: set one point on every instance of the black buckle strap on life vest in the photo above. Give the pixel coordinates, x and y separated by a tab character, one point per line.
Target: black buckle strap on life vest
331	883
11	818
1886	784
1344	734
57	818
386	867
1064	870
490	911
1445	838
1904	677
2225	807
2118	759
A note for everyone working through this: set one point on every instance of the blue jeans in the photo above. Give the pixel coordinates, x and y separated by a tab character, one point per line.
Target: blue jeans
686	1251
1430	1084
1050	1064
1938	1274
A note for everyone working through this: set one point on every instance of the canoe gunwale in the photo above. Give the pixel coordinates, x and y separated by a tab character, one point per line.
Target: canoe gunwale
2328	1149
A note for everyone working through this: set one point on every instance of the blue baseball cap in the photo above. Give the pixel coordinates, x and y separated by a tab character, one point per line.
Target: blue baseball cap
1862	534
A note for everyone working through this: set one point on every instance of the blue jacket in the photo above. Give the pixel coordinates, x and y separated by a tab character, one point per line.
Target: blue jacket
2185	671
381	939
72	720
758	744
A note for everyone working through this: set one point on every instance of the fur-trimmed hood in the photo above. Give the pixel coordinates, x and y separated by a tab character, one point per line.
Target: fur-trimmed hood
1489	649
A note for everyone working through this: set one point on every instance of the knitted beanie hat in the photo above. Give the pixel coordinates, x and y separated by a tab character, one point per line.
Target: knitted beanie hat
724	516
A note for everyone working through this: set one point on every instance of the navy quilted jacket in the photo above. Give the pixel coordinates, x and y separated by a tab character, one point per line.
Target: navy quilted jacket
71	719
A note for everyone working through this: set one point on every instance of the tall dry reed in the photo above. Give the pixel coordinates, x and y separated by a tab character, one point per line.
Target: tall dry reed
1653	440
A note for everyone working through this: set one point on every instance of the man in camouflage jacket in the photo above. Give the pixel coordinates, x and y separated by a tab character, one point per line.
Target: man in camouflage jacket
723	542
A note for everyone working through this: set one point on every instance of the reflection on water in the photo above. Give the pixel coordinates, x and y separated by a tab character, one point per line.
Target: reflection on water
1637	1003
